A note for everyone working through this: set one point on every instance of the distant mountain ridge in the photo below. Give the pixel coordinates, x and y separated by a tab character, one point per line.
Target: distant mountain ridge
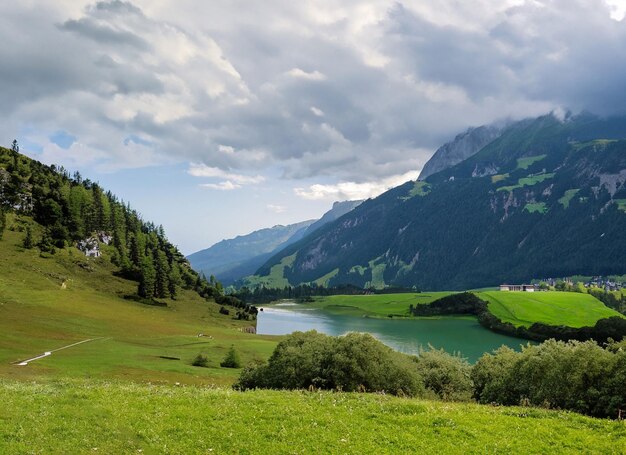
233	259
545	198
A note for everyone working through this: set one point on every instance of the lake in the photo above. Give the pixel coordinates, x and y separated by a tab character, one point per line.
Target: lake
454	334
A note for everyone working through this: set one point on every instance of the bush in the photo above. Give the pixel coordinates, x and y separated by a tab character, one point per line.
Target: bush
200	361
224	310
447	376
574	375
232	359
355	362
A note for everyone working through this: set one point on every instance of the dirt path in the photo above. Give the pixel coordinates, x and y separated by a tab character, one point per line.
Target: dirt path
48	353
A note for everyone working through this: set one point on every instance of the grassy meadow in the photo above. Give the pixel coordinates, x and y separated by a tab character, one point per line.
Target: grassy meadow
375	305
81	416
553	308
38	313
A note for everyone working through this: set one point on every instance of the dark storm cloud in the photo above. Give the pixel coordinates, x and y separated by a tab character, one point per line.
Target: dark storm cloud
356	91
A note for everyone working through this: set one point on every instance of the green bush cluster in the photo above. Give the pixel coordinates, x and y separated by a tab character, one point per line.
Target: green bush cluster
574	375
357	362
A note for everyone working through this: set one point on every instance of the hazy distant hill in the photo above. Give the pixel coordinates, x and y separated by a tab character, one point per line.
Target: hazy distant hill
546	198
231	260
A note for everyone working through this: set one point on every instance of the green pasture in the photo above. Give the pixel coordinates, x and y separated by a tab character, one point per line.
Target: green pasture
553	308
123	418
375	305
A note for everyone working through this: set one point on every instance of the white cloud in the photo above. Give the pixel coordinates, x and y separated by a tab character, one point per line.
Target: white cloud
222	186
301	74
317	111
202	170
352	190
276	208
618	9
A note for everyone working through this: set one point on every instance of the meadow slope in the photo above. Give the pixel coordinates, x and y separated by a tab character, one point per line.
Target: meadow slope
105	417
47	303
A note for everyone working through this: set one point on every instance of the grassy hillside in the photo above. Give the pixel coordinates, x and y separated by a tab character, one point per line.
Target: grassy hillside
375	305
130	418
39	313
553	308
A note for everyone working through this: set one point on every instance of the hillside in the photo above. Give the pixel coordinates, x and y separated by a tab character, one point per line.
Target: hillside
136	298
544	199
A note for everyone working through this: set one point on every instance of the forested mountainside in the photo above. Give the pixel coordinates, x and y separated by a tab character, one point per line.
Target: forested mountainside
546	198
56	210
231	260
462	147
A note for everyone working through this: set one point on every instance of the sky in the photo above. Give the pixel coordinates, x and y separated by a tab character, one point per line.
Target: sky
218	118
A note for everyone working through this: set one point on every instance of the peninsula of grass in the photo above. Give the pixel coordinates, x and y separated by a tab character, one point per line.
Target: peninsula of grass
522	309
375	305
118	417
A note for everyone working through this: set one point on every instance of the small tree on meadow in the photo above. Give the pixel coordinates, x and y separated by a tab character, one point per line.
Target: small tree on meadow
232	359
28	239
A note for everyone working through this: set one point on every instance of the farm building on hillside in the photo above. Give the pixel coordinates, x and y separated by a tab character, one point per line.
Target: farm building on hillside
517	287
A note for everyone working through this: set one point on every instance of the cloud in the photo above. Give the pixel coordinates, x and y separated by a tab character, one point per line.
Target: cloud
276	208
354	91
222	186
353	191
301	74
202	170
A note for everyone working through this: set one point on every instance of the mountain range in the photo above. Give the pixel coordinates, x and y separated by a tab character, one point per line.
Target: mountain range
542	197
233	259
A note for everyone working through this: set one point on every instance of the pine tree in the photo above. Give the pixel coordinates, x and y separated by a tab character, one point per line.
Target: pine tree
162	274
174	281
28	239
147	278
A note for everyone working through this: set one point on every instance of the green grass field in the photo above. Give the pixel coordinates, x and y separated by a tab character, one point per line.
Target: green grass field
527	181
568	196
552	308
375	305
114	417
38	315
538	207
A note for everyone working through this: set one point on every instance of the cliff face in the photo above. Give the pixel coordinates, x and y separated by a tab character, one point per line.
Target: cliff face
462	147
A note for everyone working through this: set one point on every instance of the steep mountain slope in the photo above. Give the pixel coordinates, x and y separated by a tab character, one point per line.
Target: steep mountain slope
231	253
462	147
231	260
338	210
547	198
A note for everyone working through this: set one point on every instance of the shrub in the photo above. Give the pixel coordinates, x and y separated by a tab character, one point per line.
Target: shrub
224	310
232	359
447	376
200	361
354	362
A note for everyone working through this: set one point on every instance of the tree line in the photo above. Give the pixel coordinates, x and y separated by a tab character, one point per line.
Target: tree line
580	376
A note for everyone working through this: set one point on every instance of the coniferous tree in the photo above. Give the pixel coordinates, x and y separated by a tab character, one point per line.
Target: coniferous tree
162	275
174	281
28	239
147	278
